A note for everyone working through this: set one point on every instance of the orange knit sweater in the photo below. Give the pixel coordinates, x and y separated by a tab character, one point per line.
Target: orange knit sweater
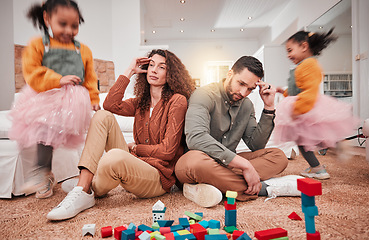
41	78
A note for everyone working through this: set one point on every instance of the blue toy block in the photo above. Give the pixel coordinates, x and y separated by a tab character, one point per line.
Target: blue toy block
230	218
176	228
175	234
132	226
128	234
193	216
231	201
307	200
310	211
309	224
216	237
201	214
184	222
165	223
144	227
204	223
214	223
244	236
186	236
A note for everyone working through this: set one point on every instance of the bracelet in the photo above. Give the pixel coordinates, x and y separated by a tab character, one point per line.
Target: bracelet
268	111
133	148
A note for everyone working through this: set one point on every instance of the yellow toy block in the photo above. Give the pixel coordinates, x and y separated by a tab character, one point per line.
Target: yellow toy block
231	194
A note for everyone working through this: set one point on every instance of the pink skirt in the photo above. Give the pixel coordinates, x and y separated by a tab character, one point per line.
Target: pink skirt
322	127
58	117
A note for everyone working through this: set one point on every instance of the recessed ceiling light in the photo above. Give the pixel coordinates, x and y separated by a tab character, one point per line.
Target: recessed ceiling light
182	19
351	26
242	29
182	1
181	31
320	27
153	31
249	18
212	30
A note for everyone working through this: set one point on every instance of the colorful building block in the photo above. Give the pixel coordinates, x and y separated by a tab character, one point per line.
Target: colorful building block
309	186
144	236
186	237
294	216
309	224
183	232
144	227
281	238
231	201
192	221
213	231
118	232
307	200
204	223
164	230
236	234
128	234
158	211
176	228
159	237
313	236
169	236
228	206
216	237
230	229
230	218
155	225
132	226
214	223
270	233
310	210
244	236
184	222
201	214
88	229
165	223
138	233
193	216
106	231
231	194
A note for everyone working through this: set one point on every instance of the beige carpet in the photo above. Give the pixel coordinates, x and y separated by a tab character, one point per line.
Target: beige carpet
343	209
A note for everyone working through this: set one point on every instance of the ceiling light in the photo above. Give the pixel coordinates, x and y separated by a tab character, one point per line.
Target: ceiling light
181	31
242	29
351	26
153	31
182	19
249	18
320	27
182	1
212	30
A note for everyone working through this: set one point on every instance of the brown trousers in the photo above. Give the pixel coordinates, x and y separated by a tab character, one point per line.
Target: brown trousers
197	167
117	166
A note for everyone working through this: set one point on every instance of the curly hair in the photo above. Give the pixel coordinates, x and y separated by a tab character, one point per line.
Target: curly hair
317	41
178	80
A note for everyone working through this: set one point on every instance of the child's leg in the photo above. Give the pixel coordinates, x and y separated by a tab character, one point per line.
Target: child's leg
315	170
309	157
44	156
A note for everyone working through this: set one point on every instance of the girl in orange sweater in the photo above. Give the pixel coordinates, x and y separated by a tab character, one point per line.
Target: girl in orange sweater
312	120
54	108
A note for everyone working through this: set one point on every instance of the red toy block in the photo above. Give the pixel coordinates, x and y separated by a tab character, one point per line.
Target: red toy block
313	236
230	206
294	216
169	236
310	187
236	234
164	230
106	231
199	231
118	232
138	233
270	234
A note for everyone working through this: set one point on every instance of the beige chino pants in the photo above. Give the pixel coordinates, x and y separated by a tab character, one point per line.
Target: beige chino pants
117	166
197	167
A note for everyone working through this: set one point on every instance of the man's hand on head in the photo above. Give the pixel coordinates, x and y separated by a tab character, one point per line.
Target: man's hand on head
267	94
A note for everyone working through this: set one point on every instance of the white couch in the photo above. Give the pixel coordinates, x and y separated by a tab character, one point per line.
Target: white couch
14	165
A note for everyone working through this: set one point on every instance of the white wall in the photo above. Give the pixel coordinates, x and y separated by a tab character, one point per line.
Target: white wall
6	55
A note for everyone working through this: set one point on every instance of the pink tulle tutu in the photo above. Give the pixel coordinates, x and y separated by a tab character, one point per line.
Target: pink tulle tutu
322	127
58	117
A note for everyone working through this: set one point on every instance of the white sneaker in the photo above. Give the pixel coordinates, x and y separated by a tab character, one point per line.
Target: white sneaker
75	202
282	186
69	184
204	195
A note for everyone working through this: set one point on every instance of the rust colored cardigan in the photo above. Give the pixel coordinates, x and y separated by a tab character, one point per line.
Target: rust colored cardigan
158	137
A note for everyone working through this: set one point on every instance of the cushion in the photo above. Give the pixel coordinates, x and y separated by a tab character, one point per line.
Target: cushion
5	124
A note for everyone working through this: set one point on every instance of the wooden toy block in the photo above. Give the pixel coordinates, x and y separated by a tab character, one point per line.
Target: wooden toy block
106	231
230	229
231	200
176	228
183	232
165	223
175	234
230	218
186	237
155	225
144	227
244	236
309	224
294	216
307	200
159	237
88	229
193	216
214	223
313	236
152	235
216	237
231	194
201	214
270	233
132	226
192	221
184	222
213	231
138	233
164	230
281	238
118	232
236	234
310	210
204	223
199	231
228	206
144	236
128	234
169	236
309	186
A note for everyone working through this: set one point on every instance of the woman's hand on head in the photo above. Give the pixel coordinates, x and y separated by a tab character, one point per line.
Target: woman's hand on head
135	66
70	80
